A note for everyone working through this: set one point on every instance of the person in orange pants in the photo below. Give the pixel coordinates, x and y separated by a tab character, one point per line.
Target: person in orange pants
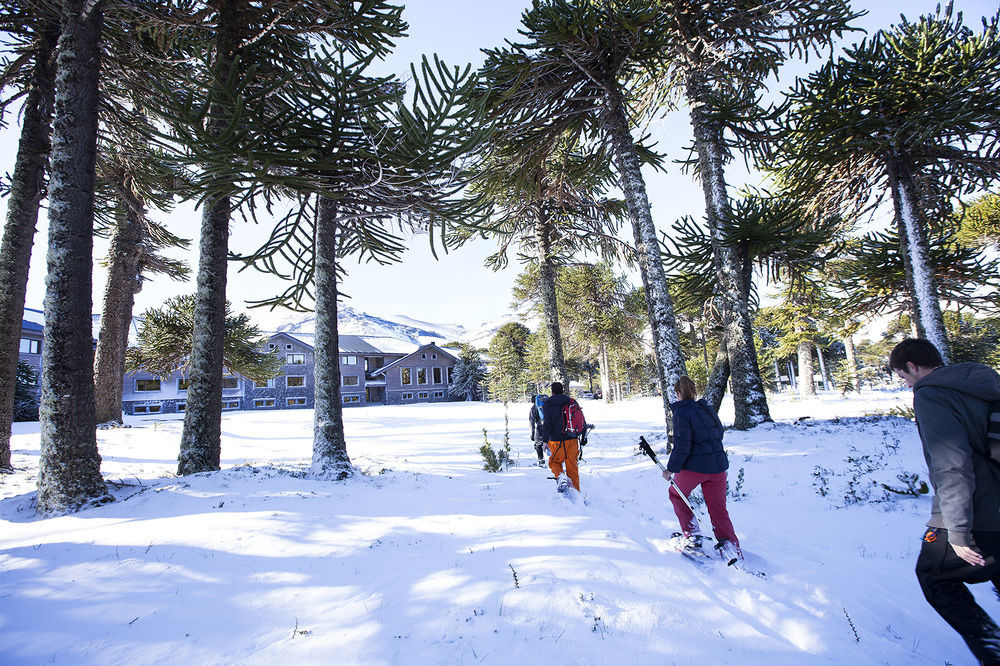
565	453
564	449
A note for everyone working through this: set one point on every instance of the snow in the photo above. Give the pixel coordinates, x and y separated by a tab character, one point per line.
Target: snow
425	558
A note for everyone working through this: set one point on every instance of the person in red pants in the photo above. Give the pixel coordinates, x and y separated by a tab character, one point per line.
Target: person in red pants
699	459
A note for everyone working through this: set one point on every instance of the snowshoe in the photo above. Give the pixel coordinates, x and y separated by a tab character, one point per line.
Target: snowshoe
690	547
562	483
729	552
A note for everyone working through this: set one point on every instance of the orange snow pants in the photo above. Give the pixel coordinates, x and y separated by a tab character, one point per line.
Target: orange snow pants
565	453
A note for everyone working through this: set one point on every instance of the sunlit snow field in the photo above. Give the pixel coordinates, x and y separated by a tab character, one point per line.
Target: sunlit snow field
423	558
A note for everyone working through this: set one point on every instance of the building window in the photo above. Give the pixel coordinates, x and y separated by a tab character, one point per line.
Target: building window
230	382
438	394
348	399
153	408
230	404
295	401
349	360
421	375
351	380
295	381
423	395
295	359
288	346
147	385
270	345
181	406
263	402
434	355
437	375
182	384
29	346
423	356
407	396
404	376
451	375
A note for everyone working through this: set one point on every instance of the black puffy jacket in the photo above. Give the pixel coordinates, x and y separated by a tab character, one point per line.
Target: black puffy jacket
697	439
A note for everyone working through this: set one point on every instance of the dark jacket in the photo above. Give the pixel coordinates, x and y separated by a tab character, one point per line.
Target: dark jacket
552	420
952	406
697	439
536	424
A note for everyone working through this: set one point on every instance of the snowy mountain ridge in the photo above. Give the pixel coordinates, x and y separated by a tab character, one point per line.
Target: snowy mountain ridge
401	327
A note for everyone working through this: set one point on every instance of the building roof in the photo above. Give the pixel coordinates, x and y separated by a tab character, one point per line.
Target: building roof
399	361
357	344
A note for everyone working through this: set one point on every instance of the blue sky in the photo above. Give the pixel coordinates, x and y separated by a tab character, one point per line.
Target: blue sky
456	289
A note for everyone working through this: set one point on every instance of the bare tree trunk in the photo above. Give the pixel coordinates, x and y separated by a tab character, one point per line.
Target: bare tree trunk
22	217
201	440
606	387
69	473
852	362
330	459
124	282
822	369
547	287
715	390
659	306
791	375
906	199
749	397
806	386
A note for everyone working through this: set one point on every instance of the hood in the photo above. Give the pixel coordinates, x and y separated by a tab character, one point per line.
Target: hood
559	399
974	379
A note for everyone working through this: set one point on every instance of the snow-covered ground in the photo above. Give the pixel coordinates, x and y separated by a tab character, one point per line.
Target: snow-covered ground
425	558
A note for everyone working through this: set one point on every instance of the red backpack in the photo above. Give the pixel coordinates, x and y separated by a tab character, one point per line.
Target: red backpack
573	421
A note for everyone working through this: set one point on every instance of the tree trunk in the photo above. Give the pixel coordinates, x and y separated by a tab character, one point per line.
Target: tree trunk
201	448
906	200
69	473
606	388
749	397
822	369
660	308
806	385
330	459
547	287
715	390
124	282
22	217
791	376
852	363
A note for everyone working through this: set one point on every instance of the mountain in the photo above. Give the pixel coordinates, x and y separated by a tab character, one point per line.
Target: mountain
401	327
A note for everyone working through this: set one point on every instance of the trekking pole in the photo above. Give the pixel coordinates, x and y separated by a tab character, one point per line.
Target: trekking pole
648	450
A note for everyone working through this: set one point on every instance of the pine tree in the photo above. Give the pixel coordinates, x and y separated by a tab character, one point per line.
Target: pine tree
913	113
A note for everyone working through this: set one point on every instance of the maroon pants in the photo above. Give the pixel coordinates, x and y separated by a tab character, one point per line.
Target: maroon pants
713	488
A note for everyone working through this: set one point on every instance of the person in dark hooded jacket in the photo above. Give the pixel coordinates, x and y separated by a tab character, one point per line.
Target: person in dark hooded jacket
563	449
962	541
699	459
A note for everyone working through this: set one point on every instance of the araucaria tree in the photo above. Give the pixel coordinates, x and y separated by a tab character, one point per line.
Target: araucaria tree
379	163
595	68
720	53
232	116
508	351
914	112
164	343
69	472
31	31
